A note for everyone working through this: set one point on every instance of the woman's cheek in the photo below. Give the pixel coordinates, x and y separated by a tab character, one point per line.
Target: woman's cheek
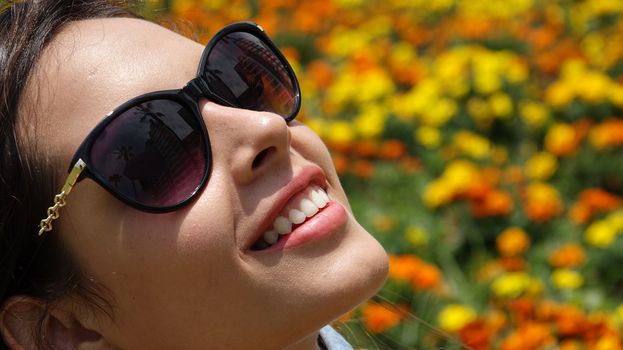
309	145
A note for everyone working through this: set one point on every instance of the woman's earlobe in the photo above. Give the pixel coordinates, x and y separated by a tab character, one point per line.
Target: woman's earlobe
26	323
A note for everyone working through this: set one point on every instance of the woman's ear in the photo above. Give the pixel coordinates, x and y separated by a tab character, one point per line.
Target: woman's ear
19	319
23	319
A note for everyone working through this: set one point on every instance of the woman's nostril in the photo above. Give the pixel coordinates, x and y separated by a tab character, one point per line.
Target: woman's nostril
262	156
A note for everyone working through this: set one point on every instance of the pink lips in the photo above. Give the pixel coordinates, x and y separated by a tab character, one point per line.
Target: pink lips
328	220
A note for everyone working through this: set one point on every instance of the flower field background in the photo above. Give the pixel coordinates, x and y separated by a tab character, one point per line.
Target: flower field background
481	142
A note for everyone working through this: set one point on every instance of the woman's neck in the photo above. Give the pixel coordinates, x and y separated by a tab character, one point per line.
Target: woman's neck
308	343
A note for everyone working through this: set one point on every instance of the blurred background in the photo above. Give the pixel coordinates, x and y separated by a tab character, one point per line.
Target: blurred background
481	141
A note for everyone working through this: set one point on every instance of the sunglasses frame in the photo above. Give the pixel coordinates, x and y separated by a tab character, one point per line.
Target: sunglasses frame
188	97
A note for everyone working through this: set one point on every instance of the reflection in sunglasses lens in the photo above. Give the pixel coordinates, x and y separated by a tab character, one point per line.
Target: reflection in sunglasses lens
245	72
152	154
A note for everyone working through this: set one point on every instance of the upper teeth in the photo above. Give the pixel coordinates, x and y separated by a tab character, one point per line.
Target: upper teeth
307	207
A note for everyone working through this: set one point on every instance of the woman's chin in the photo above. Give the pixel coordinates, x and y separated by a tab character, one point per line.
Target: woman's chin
361	271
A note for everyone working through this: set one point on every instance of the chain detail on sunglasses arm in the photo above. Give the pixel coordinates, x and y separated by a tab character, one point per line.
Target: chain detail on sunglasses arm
59	200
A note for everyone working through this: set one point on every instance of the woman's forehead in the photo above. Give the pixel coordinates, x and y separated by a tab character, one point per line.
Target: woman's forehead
92	66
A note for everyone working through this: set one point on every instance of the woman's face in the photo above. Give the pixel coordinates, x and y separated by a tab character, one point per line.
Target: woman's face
188	279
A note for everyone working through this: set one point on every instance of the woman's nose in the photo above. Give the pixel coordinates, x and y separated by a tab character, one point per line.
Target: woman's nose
250	143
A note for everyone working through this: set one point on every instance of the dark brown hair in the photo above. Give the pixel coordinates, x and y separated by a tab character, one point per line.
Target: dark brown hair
35	266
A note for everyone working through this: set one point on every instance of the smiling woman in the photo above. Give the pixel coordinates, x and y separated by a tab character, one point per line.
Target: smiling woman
201	213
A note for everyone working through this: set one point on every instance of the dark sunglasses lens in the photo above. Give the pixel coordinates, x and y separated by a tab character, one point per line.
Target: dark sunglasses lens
245	72
153	154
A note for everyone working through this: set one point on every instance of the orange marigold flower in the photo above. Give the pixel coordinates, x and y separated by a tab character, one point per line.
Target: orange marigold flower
512	263
427	277
341	163
580	213
420	274
378	317
561	139
529	336
476	335
496	202
569	255
363	168
366	148
542	202
320	72
512	242
513	174
570	344
403	267
599	200
571	321
392	149
607	134
522	308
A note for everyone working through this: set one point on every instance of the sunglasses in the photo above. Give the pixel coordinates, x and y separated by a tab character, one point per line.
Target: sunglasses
153	152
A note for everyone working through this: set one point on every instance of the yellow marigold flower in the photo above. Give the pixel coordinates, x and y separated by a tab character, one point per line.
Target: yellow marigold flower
511	285
403	53
211	4
460	175
416	236
318	125
559	94
512	242
616	220
618	314
533	113
501	105
453	317
567	279
542	202
340	132
615	94
608	342
371	121
517	72
479	110
343	42
541	166
377	82
440	112
437	193
600	234
487	82
561	139
593	87
428	136
472	145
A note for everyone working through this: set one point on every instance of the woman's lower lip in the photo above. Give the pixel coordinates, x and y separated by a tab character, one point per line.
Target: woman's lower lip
328	221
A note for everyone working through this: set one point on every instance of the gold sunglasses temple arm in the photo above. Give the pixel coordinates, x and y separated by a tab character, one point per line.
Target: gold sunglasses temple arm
59	200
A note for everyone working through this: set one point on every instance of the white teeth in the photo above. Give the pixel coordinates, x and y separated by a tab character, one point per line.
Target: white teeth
324	195
296	216
271	236
282	225
308	207
319	197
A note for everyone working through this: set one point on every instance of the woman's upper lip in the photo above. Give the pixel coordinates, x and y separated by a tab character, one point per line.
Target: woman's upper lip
305	177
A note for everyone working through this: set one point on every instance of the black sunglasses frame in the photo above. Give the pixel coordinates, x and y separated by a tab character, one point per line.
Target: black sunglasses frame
189	97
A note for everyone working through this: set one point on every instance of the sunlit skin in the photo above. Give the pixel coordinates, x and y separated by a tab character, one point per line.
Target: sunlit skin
183	280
